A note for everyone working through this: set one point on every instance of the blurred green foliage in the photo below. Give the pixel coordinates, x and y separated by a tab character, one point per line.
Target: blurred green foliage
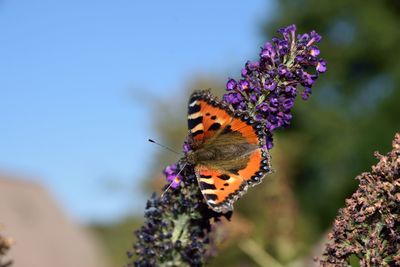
354	111
117	239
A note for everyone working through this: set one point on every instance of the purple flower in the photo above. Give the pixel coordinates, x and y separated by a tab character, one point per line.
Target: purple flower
268	51
288	32
244	72
303	37
242	106
186	147
321	66
282	47
308	79
315	37
170	173
288	103
233	98
314	51
263	107
274	102
253	98
306	93
231	85
291	90
269	86
282	70
287	117
269	142
253	65
244	85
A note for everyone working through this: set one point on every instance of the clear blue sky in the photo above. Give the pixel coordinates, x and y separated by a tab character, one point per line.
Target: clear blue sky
67	71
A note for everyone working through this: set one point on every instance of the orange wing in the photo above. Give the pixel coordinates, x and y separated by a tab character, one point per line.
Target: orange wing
259	160
222	188
218	188
208	118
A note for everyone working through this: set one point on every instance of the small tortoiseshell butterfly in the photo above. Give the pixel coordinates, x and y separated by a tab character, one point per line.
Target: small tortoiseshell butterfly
227	150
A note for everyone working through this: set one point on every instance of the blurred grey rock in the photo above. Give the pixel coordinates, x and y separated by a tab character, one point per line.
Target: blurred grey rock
44	236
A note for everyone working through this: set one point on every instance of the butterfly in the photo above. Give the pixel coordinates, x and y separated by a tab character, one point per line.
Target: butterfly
227	150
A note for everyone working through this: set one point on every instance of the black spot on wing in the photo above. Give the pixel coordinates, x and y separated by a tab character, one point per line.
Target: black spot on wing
194	109
194	122
227	129
213	117
205	176
226	184
234	171
224	177
215	126
197	133
207	114
205	186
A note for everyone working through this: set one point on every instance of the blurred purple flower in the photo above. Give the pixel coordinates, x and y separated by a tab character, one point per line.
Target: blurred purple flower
315	37
321	66
270	85
306	93
243	85
314	51
170	173
186	147
234	98
288	103
231	85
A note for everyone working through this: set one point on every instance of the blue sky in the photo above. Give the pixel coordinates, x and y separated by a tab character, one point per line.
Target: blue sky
67	73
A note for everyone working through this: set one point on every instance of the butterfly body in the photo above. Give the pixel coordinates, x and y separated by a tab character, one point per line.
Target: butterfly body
227	150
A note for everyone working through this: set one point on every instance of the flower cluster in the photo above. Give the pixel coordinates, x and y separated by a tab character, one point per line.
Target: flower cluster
176	227
268	87
368	228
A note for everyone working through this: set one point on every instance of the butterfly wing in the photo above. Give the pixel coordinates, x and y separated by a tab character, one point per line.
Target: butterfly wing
217	187
206	116
214	127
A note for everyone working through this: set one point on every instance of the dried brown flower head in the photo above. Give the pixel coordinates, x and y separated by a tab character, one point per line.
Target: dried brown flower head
367	230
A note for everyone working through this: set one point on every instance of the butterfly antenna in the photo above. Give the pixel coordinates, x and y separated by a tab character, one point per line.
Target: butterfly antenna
176	180
173	151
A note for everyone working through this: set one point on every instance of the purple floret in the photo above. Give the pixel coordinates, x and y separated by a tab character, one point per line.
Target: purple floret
170	173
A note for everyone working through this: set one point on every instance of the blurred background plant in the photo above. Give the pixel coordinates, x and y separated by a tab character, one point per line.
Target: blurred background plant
5	245
367	230
354	111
